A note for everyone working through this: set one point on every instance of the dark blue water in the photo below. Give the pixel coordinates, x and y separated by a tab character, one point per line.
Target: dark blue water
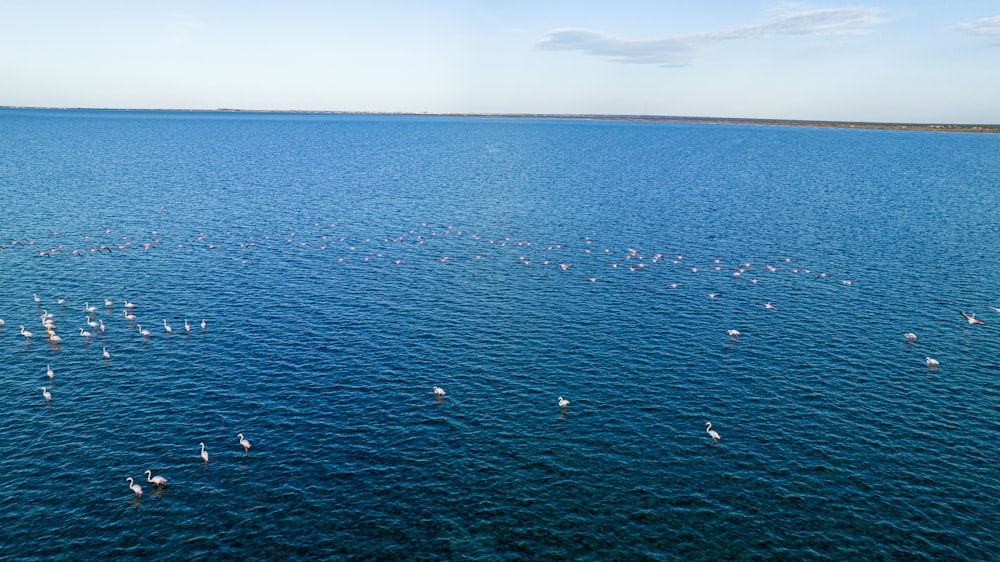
344	265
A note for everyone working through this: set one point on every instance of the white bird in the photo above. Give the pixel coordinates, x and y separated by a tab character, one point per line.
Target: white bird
90	322
48	371
54	338
711	433
104	351
187	328
156	480
2	322
931	362
770	306
563	402
135	487
733	333
85	333
910	336
438	391
204	453
202	323
129	317
129	304
27	335
88	308
37	300
101	325
45	394
108	303
144	333
165	327
245	443
972	318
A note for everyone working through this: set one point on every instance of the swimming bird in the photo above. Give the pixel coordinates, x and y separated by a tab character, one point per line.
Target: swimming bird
27	335
45	394
245	443
931	362
204	453
733	333
104	351
711	433
48	371
135	487
438	391
972	318
563	402
165	327
156	480
910	336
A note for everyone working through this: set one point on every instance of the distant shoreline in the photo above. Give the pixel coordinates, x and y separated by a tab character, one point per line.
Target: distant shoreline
944	127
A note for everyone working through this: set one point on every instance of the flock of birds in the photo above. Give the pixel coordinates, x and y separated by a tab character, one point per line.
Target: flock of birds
368	249
160	481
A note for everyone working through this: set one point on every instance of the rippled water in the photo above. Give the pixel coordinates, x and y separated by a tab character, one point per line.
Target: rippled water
344	265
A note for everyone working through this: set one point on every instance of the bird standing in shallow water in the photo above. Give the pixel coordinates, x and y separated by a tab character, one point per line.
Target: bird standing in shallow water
245	443
438	391
563	402
711	432
931	362
204	453
45	394
135	487
156	480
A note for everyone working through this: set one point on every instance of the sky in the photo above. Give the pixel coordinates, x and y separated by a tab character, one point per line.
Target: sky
906	61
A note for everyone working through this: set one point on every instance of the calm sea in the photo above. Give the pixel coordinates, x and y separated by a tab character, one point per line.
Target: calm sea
345	265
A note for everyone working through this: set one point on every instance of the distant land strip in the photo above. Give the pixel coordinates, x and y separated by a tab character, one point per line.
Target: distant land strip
947	127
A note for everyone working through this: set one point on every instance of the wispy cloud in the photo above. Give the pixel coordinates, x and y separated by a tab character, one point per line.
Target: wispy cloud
983	27
681	50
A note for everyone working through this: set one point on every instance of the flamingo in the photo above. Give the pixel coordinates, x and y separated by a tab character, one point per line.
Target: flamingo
563	402
931	362
90	321
910	336
88	308
48	371
438	391
85	333
733	333
711	433
129	317
165	327
245	443
202	323
101	325
2	322
45	394
156	480
27	335
53	337
204	453
37	300
108	303
145	333
135	487
770	306
972	318
104	351
187	328
129	304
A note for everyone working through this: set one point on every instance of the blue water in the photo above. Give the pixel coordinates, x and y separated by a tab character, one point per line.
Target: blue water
344	265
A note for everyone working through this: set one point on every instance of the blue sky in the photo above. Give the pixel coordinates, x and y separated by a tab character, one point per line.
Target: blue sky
878	60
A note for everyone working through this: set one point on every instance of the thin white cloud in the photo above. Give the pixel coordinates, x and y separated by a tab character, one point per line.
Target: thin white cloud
983	27
681	50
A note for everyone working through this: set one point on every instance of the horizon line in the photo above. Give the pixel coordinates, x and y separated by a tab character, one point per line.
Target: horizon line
928	126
